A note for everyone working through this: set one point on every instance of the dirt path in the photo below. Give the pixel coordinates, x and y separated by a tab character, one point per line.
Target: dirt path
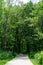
20	60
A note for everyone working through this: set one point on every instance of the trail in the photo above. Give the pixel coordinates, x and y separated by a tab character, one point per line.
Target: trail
20	60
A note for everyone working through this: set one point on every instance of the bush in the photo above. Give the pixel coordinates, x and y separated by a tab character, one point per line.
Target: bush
40	61
39	57
31	54
6	55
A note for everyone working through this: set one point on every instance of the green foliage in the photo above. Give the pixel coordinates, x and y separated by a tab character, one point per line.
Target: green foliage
21	27
36	57
3	62
39	57
6	55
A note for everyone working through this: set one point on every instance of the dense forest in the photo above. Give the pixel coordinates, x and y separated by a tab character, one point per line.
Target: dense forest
21	26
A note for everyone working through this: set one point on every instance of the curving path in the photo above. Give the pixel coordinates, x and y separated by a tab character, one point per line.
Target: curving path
20	60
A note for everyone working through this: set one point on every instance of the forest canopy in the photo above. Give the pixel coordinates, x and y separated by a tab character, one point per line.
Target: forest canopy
21	26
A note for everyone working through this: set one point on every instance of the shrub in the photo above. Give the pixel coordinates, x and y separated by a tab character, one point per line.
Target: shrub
6	55
39	57
31	54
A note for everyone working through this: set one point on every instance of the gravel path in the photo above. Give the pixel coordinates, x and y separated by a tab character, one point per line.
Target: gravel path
20	60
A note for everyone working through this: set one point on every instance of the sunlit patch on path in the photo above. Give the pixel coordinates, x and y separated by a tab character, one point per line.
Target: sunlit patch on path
20	60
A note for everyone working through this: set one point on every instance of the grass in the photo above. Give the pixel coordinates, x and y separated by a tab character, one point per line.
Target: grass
5	57
2	62
36	58
34	61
